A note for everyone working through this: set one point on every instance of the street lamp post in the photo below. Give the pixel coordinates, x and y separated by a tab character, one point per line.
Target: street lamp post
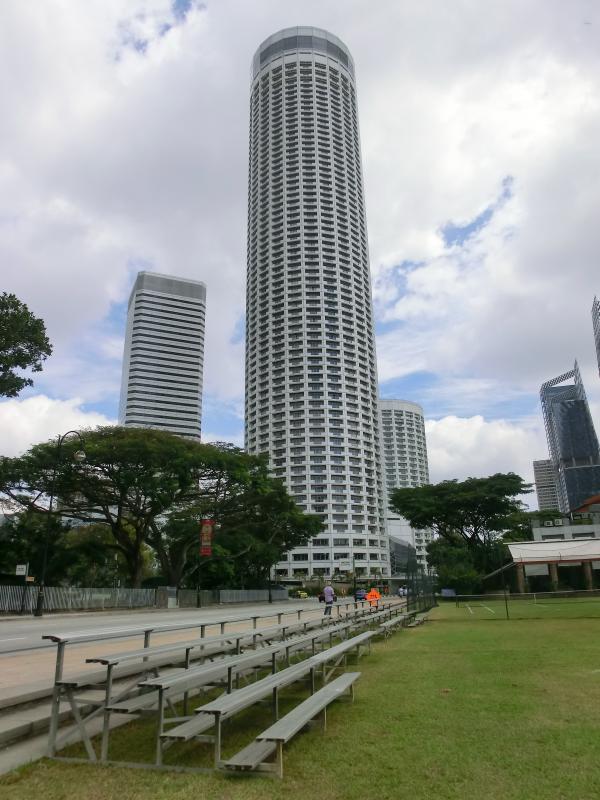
78	457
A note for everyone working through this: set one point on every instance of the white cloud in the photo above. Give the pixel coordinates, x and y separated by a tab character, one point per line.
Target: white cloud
474	447
24	423
117	158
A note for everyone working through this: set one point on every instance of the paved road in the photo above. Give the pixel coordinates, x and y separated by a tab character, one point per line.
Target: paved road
17	635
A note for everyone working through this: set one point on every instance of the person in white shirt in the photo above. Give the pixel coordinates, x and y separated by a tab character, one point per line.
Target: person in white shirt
329	595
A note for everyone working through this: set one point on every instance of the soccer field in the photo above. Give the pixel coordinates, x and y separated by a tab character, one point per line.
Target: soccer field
528	607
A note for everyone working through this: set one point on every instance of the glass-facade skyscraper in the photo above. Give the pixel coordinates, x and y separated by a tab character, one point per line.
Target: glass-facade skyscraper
596	324
311	378
572	439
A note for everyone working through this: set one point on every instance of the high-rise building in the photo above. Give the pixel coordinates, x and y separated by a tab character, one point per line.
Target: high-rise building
596	324
404	449
572	439
161	385
545	484
311	377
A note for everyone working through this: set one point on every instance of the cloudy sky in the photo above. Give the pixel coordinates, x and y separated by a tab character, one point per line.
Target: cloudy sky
123	146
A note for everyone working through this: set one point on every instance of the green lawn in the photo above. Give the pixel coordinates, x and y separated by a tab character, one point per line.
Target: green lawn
452	710
544	608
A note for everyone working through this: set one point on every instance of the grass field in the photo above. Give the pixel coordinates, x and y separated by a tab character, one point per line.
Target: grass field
460	711
529	608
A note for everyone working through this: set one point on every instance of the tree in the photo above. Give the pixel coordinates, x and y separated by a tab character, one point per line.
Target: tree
150	489
267	524
519	529
256	522
22	538
130	477
454	564
220	492
476	509
469	516
23	344
78	556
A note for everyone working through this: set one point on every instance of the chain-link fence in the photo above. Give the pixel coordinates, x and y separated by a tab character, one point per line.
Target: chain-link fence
420	590
572	604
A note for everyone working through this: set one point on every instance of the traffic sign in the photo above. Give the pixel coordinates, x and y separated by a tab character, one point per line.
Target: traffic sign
21	569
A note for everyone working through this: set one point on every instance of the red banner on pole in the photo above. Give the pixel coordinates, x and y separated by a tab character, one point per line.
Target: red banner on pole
206	534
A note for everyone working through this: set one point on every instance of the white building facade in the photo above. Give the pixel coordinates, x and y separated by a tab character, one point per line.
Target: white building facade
585	525
405	465
161	385
311	378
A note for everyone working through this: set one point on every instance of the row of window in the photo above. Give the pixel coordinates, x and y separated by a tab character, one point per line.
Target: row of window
337	556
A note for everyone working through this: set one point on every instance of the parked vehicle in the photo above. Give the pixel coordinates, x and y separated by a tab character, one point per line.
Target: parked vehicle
360	594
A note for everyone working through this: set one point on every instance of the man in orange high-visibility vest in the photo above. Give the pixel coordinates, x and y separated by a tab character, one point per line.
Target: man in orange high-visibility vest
373	597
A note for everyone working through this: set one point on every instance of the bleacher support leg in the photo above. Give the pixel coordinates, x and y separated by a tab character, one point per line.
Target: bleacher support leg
160	724
106	725
279	761
217	741
56	693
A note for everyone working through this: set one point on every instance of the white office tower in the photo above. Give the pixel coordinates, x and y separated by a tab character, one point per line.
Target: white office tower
311	378
161	386
405	464
546	487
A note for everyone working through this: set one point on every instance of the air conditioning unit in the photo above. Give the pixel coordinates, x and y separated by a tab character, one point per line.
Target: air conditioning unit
558	521
548	523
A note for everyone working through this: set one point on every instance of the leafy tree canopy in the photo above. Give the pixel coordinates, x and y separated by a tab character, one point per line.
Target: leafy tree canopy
23	344
256	523
454	564
151	488
475	510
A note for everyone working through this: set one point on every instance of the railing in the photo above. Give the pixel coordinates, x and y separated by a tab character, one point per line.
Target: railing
251	595
190	598
22	599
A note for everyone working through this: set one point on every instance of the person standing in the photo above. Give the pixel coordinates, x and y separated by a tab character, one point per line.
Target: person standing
329	595
373	597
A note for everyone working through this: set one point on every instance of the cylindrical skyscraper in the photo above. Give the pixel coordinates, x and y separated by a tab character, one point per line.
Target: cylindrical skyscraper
311	377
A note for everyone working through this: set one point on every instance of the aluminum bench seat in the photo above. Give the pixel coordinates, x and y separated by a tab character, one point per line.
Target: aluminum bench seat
254	756
339	652
229	704
251	756
287	727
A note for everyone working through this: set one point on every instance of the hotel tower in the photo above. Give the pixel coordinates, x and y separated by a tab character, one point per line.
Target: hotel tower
311	376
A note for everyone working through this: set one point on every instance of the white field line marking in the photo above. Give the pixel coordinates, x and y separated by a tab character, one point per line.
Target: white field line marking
14	639
470	609
487	608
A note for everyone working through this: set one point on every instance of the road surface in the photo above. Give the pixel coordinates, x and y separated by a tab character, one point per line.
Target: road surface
27	661
25	633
